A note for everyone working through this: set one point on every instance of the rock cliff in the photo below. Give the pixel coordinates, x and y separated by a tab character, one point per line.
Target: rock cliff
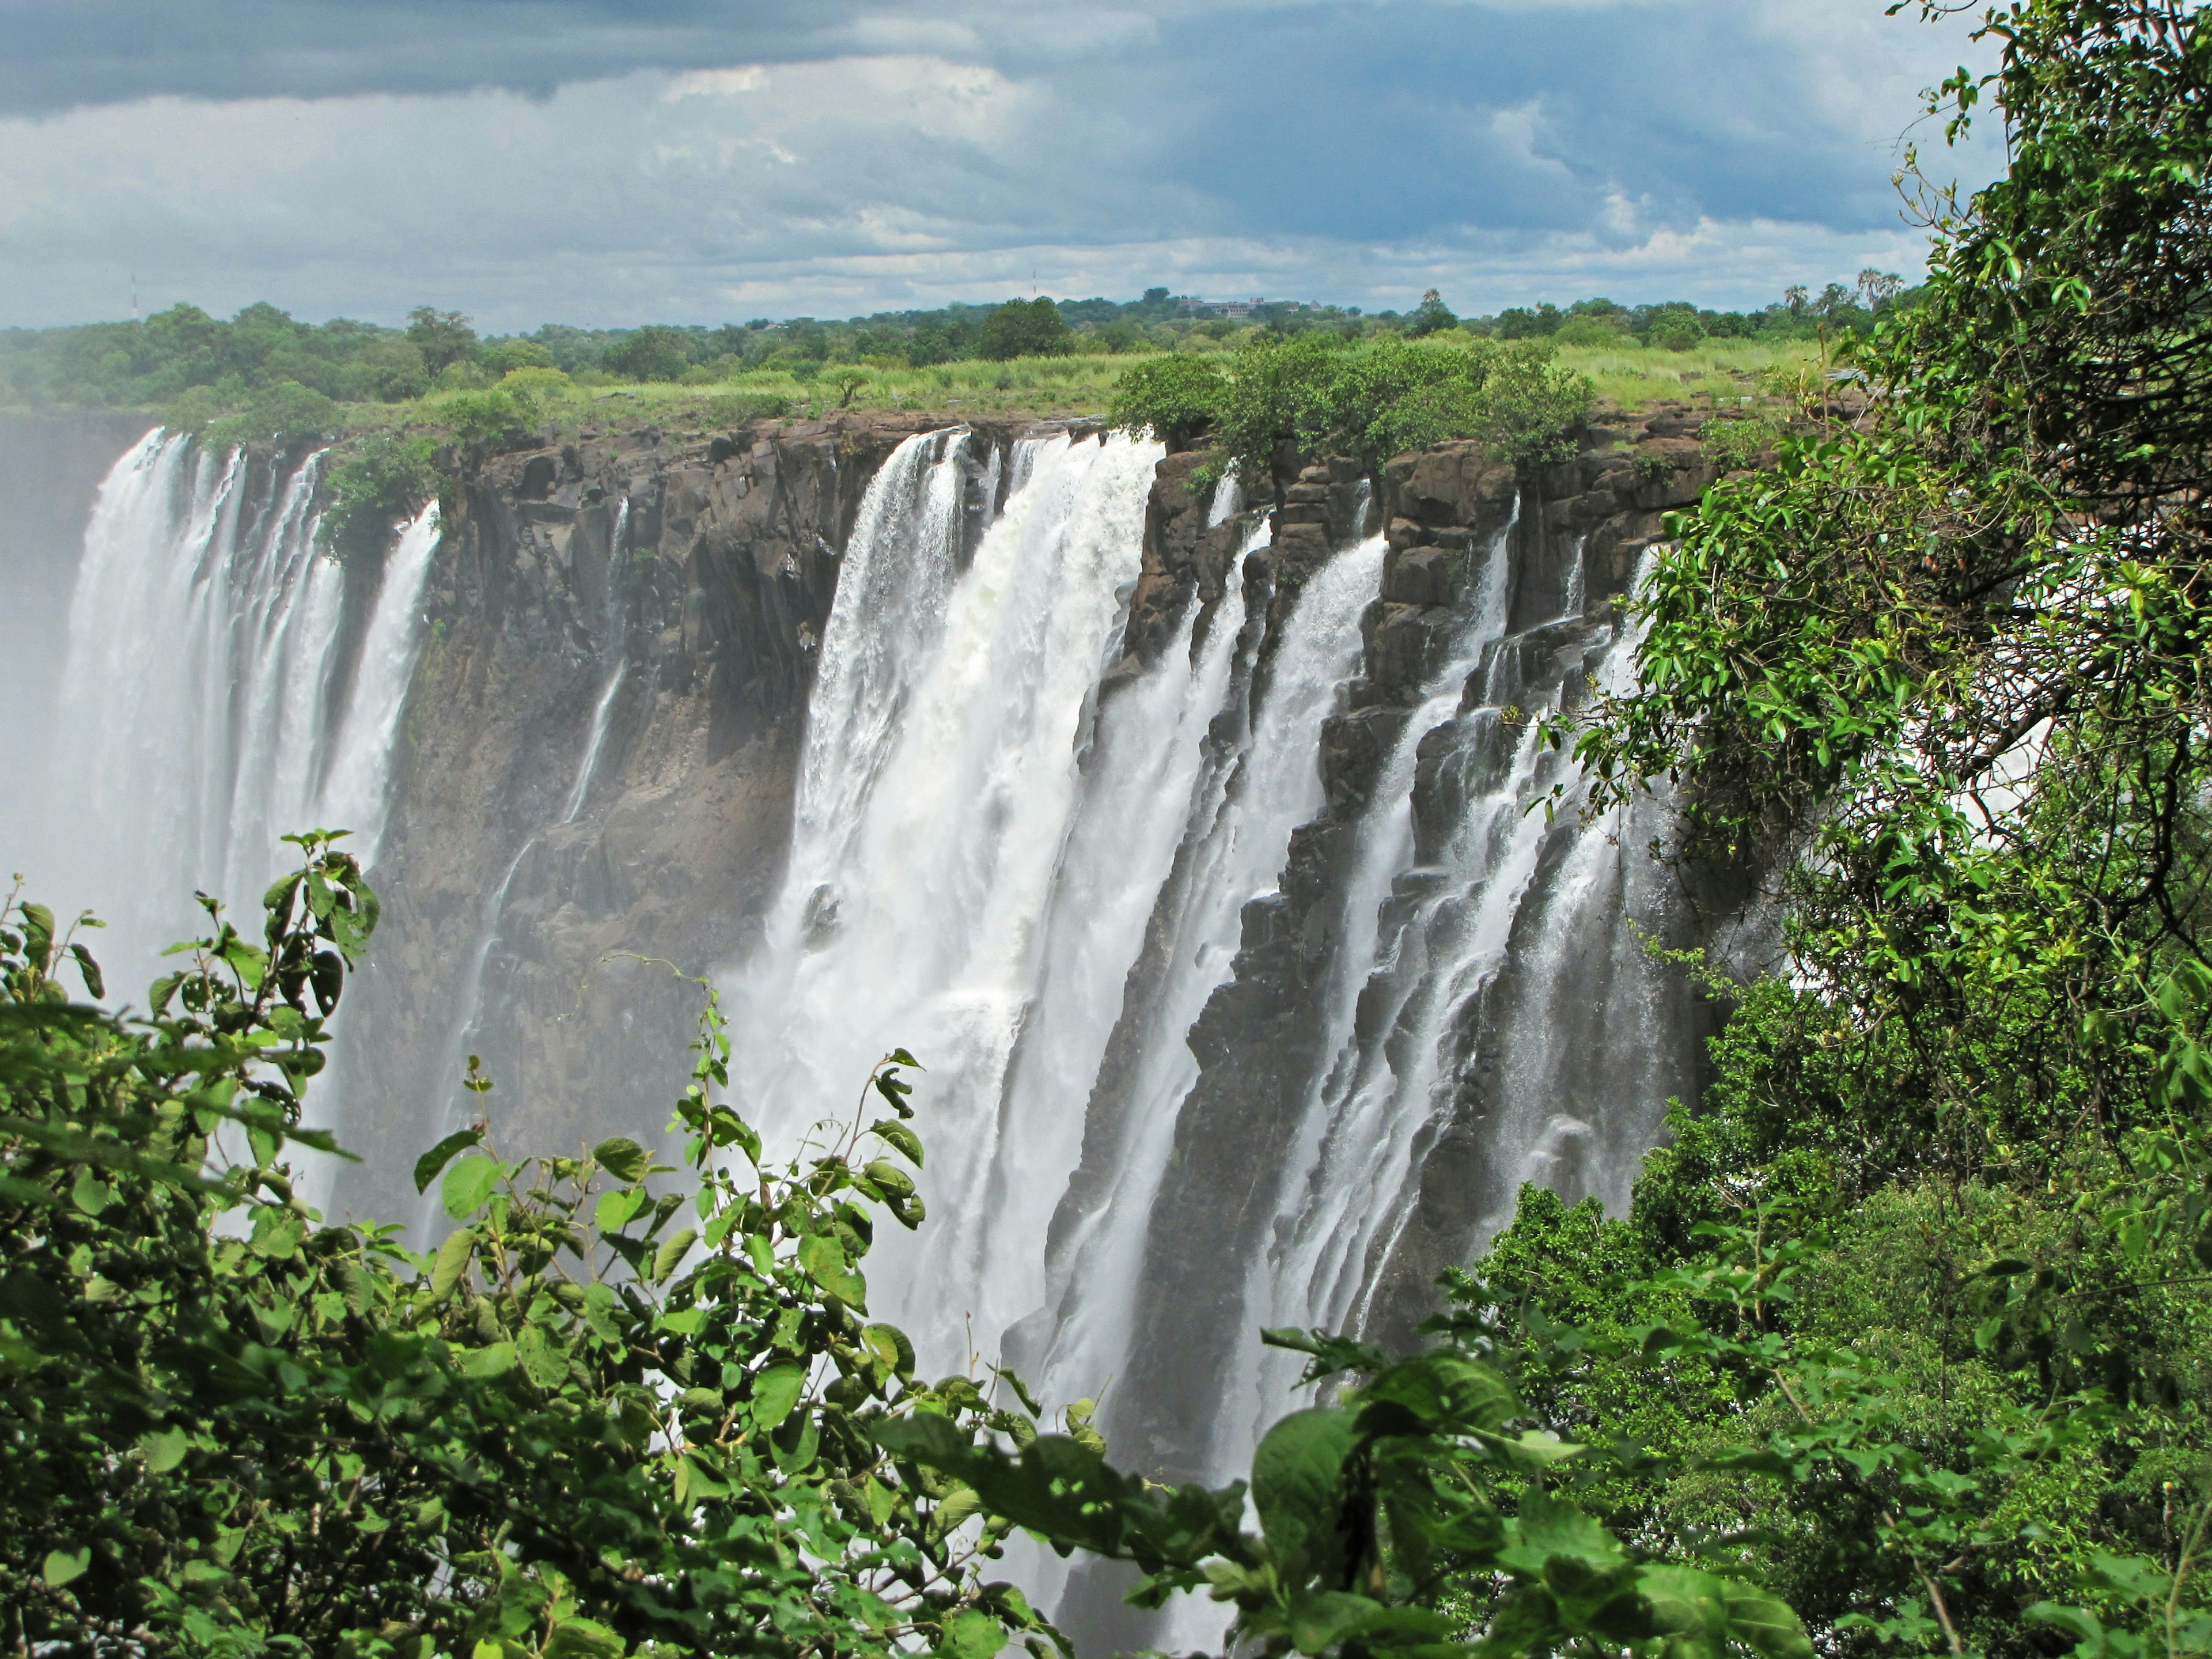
547	894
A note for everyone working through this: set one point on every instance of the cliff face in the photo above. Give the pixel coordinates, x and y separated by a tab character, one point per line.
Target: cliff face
663	593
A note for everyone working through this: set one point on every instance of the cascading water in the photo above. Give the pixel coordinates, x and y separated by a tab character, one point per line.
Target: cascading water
1235	831
939	784
1459	903
603	711
210	703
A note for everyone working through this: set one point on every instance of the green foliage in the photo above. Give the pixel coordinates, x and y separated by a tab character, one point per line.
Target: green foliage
1427	1474
383	480
1313	394
1171	399
650	354
604	1413
1428	316
1736	443
1932	1255
1023	328
442	337
285	413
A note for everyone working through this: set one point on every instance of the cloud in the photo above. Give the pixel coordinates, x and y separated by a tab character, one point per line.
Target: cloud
528	159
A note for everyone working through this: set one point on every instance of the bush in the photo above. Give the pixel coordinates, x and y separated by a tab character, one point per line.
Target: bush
1735	443
477	417
1593	331
578	1427
508	356
1173	399
1023	328
1675	331
386	479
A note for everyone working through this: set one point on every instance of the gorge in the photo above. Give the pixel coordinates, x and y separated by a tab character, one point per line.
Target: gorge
1205	856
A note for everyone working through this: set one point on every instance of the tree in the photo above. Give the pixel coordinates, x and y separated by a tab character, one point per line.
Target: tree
1172	398
1023	328
1877	287
1940	671
1428	317
652	353
442	337
1796	299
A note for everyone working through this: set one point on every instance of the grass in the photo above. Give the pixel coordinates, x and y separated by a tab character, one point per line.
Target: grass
1635	377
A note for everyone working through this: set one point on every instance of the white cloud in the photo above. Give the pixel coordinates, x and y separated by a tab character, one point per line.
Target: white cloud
1502	150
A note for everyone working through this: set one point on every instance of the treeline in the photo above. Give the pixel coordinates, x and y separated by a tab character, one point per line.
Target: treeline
206	366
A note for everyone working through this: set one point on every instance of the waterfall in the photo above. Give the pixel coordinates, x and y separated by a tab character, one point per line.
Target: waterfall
937	786
1237	831
1483	943
603	710
210	702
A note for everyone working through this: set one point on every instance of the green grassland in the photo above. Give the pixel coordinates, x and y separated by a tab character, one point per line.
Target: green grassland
1627	376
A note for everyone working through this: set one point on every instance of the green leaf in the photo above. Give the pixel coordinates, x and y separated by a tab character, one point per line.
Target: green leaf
1688	1606
895	1134
544	1361
470	1184
823	1258
1764	1622
497	1360
1298	1485
671	1252
1319	1622
90	1194
971	1635
1547	1529
775	1391
66	1566
621	1157
1445	1392
165	1450
582	1638
615	1209
453	1260
428	1165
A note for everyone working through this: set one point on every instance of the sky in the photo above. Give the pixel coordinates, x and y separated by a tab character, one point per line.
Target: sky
611	162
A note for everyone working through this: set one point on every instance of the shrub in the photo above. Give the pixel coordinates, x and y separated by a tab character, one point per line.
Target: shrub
601	1417
477	417
385	479
1737	442
1593	331
508	356
1675	331
1172	399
